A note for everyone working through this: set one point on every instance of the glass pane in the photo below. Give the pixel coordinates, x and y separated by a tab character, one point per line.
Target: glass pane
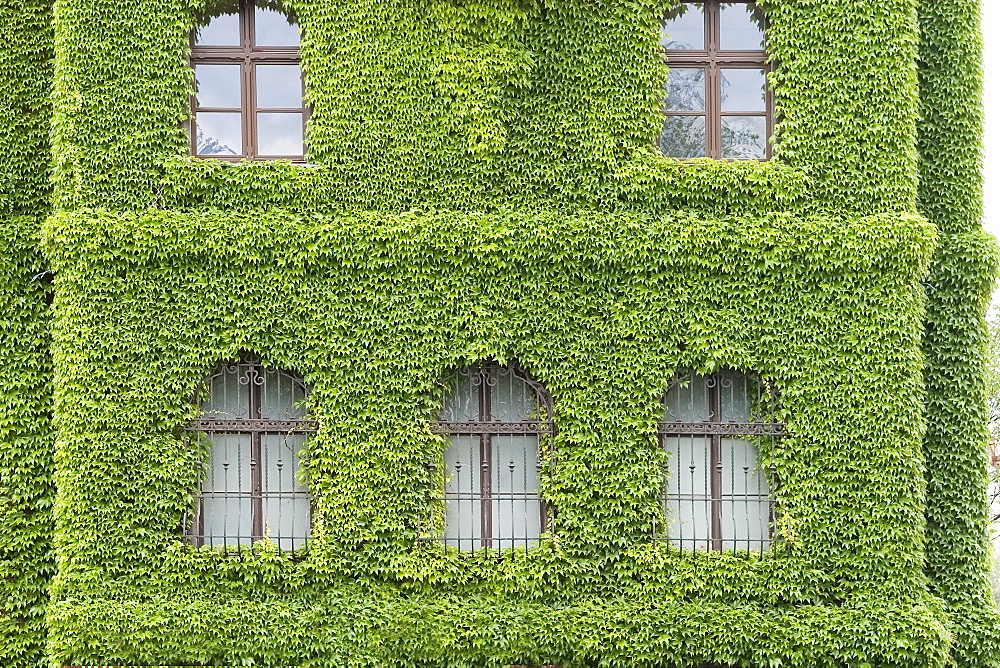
222	30
218	86
274	28
516	508
462	401
279	134
746	508
734	396
462	492
511	398
686	89
279	86
688	504
683	137
744	137
225	502
282	397
743	90
687	400
220	133
741	27
228	398
286	501
684	27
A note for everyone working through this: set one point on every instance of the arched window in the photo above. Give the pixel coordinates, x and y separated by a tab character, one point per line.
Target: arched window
254	421
717	496
717	103
495	418
248	95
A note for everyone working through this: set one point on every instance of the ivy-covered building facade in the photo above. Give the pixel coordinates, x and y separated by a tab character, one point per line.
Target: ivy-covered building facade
492	333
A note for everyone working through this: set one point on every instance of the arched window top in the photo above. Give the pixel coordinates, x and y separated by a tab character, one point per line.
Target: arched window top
726	396
490	392
246	391
251	23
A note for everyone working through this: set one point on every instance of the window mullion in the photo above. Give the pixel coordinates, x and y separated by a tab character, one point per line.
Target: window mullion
256	457
486	461
715	460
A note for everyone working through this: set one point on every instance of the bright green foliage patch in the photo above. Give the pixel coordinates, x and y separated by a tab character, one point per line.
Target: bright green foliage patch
483	183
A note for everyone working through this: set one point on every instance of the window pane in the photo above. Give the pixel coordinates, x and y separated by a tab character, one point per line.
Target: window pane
686	89
222	30
741	27
744	137
684	27
279	134
282	397
279	86
688	504
734	396
226	491
220	133
218	86
683	137
274	28
228	398
285	503
463	505
516	505
746	507
462	401
511	399
743	90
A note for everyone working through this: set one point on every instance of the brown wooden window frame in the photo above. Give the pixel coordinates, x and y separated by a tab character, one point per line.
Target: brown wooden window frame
248	55
713	59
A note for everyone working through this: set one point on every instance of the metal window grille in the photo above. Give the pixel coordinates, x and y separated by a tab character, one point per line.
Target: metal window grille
496	418
249	98
255	424
718	104
717	496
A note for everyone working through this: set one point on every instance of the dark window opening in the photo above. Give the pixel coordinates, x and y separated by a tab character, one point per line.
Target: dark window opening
249	88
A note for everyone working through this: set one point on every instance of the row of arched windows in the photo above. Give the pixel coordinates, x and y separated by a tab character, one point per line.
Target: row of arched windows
497	420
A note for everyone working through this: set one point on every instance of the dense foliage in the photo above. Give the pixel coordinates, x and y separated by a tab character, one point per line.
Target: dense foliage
483	184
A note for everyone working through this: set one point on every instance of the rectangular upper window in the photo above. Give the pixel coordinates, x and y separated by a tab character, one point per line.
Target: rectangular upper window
248	93
717	104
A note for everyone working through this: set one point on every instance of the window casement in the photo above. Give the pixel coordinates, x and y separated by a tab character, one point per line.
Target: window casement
496	418
717	101
248	85
254	421
717	496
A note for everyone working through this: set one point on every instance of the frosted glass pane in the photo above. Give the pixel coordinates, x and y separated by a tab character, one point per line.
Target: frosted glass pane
274	28
286	520
744	137
687	401
282	397
222	30
686	89
516	522
745	503
735	397
219	133
228	463
687	504
279	134
226	520
515	468
683	137
281	455
511	399
462	401
218	86
684	27
463	505
279	86
228	398
741	27
743	90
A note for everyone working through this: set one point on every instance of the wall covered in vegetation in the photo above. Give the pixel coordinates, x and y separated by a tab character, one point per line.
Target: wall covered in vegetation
483	184
962	276
25	433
